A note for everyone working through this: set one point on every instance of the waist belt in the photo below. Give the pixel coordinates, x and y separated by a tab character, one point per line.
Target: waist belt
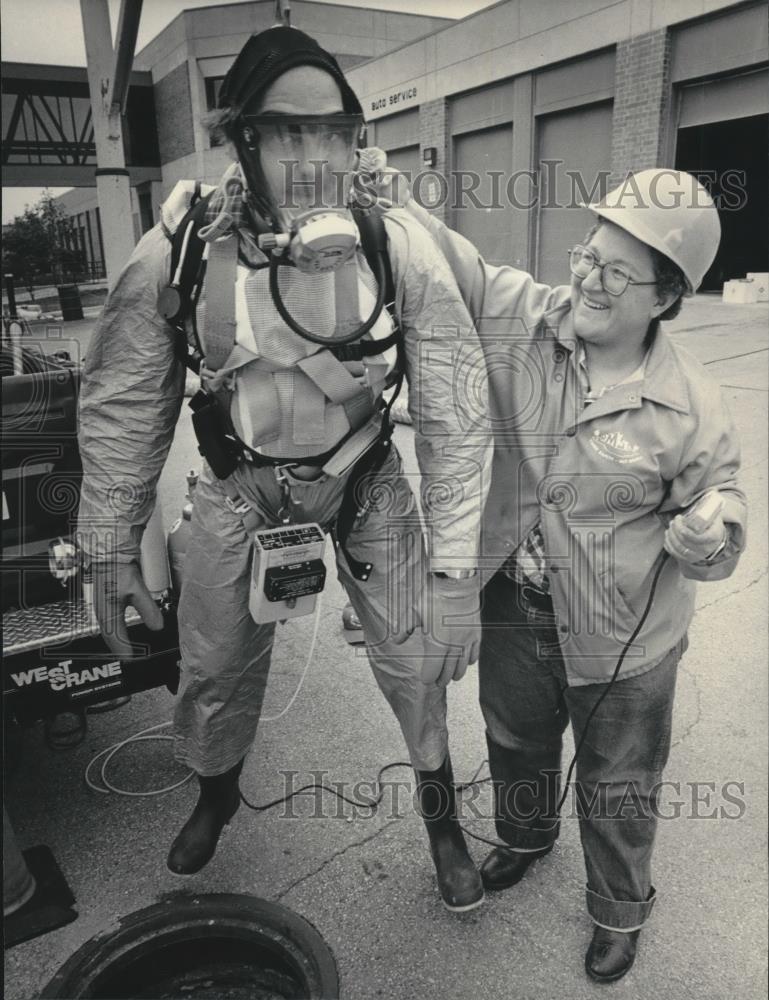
223	449
367	464
335	462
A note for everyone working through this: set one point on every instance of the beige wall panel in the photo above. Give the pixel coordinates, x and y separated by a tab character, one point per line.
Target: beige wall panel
492	105
397	131
576	82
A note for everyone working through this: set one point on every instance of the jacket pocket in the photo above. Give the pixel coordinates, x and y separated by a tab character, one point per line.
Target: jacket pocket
618	603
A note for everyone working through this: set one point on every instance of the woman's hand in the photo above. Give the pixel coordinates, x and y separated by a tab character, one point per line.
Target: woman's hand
690	545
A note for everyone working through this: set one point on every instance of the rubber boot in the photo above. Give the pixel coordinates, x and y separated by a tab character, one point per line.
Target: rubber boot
196	842
459	883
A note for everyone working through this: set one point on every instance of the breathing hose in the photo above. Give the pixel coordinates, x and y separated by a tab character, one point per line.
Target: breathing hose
379	273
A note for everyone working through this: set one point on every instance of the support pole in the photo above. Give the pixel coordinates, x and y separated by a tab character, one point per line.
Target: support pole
112	178
125	46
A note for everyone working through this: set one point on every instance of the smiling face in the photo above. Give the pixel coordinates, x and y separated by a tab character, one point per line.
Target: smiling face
609	321
291	169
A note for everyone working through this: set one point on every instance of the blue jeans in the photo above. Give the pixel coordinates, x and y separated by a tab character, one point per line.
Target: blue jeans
527	705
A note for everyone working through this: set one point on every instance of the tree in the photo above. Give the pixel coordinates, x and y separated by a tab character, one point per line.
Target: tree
24	248
39	243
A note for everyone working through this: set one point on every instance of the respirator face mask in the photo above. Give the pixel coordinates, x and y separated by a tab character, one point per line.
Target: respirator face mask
299	171
303	164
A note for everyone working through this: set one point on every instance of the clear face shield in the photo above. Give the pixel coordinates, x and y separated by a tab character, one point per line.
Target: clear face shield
301	168
300	162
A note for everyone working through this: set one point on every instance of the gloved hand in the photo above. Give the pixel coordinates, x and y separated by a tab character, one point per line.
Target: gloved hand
453	628
385	183
115	587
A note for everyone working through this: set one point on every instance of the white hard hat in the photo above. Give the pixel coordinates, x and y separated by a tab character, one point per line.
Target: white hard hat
668	210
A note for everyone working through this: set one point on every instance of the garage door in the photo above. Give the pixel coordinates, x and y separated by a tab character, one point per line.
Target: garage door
398	136
476	156
574	154
406	159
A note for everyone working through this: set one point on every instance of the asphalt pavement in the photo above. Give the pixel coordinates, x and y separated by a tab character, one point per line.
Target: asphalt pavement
366	882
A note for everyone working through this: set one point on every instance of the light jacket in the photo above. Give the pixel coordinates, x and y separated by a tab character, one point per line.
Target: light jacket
604	480
133	384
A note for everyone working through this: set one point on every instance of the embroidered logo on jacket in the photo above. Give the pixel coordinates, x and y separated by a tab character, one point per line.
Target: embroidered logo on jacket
615	446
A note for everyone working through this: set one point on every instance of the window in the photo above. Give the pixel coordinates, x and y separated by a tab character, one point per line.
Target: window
213	86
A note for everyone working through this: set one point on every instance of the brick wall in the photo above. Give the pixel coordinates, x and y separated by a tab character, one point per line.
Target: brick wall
434	131
173	107
642	98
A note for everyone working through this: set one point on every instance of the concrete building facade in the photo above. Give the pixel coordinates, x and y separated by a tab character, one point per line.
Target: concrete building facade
511	117
508	119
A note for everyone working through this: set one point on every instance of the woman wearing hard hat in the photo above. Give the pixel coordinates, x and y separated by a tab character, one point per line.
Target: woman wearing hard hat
608	435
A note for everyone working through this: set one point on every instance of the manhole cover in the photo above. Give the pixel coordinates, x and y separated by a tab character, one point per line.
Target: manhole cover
212	947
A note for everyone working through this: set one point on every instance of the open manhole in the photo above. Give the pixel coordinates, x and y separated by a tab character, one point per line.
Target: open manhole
213	947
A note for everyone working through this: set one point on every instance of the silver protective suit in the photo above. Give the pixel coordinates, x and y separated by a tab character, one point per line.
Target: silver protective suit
130	401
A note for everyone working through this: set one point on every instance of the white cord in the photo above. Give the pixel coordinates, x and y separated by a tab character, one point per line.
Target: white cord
110	752
274	718
141	736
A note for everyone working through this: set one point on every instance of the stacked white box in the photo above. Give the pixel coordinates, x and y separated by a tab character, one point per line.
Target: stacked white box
740	291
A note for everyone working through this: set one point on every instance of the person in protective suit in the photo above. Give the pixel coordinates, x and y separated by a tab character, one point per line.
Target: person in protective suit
614	489
293	408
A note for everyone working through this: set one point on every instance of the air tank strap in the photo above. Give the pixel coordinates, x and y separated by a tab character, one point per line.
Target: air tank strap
221	276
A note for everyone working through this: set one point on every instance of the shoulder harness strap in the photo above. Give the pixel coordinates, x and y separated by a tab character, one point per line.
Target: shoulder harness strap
373	239
177	302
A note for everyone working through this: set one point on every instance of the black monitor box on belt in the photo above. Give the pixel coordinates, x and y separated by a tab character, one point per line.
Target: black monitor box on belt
288	572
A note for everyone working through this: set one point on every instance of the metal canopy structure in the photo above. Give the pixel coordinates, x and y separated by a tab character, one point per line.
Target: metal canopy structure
48	138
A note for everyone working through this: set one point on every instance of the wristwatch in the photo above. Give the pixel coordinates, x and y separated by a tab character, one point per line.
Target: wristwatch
455	574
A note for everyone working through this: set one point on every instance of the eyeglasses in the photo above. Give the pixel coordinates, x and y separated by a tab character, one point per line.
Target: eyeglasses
614	277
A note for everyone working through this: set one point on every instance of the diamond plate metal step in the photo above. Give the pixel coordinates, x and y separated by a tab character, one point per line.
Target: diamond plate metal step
51	624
